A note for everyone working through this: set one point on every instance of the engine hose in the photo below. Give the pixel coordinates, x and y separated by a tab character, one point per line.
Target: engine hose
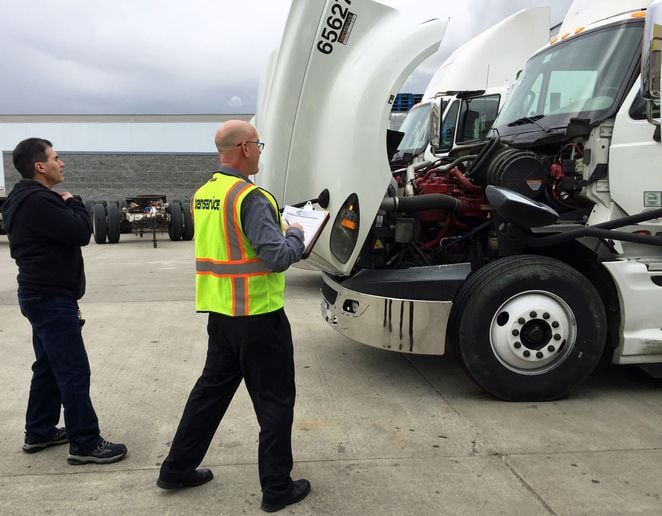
456	162
465	181
484	153
449	167
420	203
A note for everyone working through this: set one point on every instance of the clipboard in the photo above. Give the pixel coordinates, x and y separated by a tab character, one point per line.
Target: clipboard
312	221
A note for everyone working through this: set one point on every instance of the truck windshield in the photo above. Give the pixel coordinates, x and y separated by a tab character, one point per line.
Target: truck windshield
583	77
417	130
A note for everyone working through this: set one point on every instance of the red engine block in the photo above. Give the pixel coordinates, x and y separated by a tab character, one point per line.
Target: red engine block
455	184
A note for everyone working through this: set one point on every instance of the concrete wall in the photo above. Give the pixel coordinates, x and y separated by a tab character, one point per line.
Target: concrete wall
112	156
114	176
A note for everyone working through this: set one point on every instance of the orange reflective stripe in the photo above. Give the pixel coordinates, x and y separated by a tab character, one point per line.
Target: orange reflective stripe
237	229
234	236
227	216
251	275
252	267
239	296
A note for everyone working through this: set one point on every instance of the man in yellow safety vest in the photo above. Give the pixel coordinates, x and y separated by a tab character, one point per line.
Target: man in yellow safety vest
242	248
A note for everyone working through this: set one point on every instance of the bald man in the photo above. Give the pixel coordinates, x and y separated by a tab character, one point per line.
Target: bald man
242	248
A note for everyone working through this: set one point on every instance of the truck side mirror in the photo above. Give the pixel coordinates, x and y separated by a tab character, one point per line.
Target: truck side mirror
651	58
435	124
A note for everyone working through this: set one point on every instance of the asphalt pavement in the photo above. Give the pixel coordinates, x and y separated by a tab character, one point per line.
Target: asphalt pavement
376	432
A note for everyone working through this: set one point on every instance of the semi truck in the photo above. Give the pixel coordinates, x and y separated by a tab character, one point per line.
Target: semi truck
468	89
533	259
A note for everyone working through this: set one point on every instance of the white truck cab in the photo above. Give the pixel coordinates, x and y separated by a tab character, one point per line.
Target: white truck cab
465	94
537	258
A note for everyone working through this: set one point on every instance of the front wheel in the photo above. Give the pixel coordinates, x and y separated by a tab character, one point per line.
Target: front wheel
528	328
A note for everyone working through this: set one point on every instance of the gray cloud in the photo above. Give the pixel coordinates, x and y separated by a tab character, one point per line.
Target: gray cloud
168	56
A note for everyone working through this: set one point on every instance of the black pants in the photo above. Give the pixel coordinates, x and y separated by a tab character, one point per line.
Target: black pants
258	349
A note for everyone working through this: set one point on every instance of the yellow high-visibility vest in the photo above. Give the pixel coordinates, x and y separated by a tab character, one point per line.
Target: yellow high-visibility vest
230	278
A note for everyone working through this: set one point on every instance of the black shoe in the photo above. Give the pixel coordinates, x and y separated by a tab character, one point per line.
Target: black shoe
103	453
197	478
35	444
300	489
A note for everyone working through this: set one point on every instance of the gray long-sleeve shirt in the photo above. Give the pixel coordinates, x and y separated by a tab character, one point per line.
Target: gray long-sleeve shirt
263	230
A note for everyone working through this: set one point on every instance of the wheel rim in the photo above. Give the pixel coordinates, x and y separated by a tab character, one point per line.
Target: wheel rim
533	332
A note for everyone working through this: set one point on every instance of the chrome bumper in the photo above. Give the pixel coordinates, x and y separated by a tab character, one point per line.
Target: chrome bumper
403	325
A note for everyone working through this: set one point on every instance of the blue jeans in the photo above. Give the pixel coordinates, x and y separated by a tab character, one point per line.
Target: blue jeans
61	371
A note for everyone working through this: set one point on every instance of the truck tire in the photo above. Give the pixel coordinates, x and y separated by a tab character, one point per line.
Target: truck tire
113	220
100	228
175	225
187	233
89	205
528	328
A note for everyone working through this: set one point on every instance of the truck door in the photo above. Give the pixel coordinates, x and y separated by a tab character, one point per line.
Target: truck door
635	173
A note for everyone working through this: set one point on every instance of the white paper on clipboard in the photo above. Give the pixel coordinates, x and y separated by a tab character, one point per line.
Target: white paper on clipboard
312	221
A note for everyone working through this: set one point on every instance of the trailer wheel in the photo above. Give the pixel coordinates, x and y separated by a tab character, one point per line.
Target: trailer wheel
113	220
187	233
175	225
528	328
100	228
89	205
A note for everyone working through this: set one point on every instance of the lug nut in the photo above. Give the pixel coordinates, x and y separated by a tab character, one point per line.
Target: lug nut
557	336
546	315
518	345
533	315
539	354
527	353
555	324
521	320
515	333
551	349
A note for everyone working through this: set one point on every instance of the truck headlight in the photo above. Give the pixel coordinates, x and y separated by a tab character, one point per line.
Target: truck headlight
345	231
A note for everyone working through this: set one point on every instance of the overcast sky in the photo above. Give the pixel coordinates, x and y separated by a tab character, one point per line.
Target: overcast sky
175	56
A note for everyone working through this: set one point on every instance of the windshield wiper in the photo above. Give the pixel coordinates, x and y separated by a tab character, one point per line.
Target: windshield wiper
526	120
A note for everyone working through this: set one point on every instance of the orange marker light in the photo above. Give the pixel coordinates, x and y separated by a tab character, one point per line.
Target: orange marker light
349	224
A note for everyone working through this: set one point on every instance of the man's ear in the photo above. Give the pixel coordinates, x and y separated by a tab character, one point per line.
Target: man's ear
39	167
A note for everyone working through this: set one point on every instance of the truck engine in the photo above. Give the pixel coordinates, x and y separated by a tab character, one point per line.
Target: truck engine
437	213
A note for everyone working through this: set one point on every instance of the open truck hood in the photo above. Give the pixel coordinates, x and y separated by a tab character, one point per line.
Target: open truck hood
324	108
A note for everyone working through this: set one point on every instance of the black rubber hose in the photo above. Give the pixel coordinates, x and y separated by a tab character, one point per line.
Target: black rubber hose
632	219
591	231
484	153
420	203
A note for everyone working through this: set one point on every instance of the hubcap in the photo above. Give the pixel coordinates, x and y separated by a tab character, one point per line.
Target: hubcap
533	332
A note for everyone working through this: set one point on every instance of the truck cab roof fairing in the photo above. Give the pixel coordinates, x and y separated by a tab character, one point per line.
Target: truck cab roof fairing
476	65
325	110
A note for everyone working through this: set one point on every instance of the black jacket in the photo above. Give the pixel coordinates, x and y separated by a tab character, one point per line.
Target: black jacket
45	236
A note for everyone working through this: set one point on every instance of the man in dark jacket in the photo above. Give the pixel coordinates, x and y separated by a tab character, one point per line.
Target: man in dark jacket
46	231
